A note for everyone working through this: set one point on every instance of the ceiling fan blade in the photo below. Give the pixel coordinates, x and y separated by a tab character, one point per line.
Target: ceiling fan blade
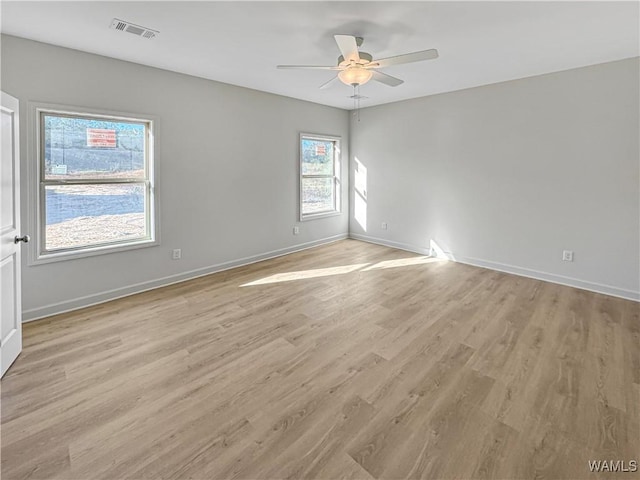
329	83
348	47
406	58
309	67
386	79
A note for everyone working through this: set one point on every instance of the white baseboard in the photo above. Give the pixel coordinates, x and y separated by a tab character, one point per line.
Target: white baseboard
520	271
388	243
553	278
89	300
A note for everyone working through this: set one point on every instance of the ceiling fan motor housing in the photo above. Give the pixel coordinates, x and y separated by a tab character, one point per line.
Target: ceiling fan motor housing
365	58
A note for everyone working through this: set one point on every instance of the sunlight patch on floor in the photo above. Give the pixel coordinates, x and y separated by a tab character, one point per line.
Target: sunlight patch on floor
305	274
343	269
403	262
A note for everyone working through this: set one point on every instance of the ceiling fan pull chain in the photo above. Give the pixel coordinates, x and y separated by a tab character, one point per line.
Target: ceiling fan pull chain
355	100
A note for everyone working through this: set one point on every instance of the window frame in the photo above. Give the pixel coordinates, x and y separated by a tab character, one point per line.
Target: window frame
337	169
38	254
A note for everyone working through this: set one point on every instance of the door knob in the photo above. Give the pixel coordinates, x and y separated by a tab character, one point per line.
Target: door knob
24	238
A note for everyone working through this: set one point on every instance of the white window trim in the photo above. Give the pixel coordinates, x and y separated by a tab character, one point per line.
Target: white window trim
336	174
35	213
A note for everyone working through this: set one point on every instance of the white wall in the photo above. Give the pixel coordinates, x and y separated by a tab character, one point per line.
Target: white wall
511	174
228	166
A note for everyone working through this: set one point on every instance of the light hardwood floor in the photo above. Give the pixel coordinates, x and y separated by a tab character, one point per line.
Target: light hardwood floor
350	360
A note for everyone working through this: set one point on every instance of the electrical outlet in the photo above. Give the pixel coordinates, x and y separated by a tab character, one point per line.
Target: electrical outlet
567	255
176	254
296	230
384	225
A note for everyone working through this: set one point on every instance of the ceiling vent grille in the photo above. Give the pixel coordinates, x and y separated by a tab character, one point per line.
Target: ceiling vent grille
138	30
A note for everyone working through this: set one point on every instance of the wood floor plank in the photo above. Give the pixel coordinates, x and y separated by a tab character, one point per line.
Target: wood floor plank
349	360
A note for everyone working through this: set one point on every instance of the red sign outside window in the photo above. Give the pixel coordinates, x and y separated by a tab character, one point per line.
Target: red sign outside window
100	137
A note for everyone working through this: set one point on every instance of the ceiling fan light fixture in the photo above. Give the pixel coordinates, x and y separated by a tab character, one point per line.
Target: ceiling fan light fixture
355	76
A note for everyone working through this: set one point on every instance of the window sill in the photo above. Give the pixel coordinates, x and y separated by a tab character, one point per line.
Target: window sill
314	216
52	257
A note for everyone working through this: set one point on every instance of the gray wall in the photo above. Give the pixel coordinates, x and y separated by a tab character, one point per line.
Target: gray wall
509	175
504	176
228	163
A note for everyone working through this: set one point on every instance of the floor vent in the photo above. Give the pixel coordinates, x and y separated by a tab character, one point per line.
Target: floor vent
138	30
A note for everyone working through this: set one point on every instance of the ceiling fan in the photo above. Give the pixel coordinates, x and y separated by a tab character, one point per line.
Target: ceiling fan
356	68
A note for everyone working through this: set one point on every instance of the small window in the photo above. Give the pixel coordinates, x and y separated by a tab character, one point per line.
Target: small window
319	176
95	183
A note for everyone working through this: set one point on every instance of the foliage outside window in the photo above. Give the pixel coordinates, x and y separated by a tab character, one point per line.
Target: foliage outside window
95	183
319	176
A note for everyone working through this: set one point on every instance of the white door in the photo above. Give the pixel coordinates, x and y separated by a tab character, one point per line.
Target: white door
11	238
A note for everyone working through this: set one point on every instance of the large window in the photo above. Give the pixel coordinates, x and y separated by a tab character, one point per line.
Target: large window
319	176
95	188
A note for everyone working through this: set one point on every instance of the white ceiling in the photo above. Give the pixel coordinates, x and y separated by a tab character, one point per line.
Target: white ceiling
241	42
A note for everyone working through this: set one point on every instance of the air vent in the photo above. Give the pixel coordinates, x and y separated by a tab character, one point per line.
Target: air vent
123	26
